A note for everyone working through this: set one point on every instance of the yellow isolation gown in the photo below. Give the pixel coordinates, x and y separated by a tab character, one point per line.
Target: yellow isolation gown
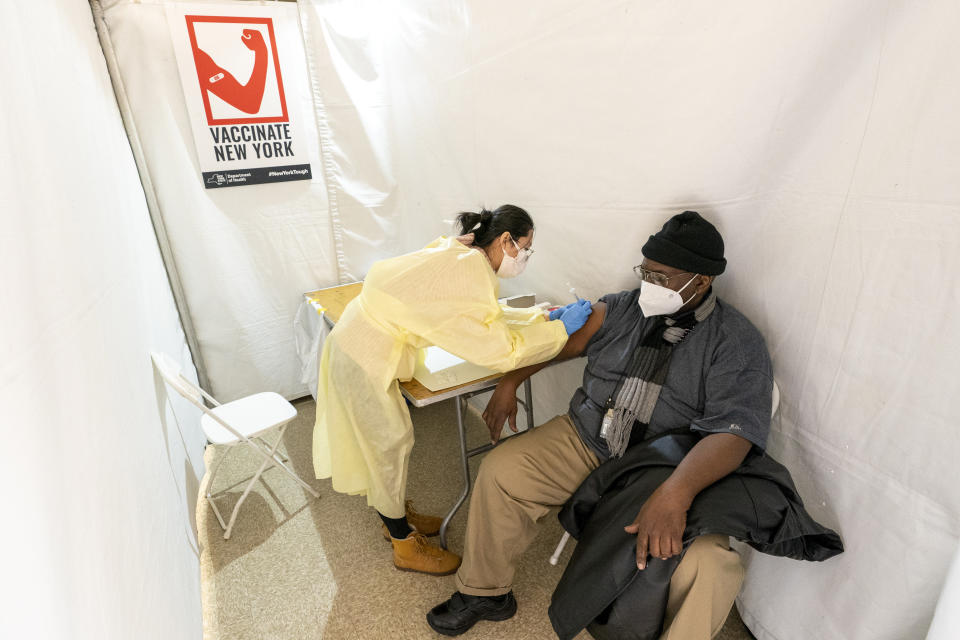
444	294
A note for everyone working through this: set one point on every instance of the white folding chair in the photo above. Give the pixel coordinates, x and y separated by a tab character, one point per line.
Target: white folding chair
243	421
566	534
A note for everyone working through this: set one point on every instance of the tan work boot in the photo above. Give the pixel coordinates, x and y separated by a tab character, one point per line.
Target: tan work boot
414	553
427	525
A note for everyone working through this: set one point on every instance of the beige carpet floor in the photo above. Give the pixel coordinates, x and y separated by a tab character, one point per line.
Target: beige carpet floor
303	568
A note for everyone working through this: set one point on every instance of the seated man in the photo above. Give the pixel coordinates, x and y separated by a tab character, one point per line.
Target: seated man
680	358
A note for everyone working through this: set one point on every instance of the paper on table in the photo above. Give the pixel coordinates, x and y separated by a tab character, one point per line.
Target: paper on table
438	369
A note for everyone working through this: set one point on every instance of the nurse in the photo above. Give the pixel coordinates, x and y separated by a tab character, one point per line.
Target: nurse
446	295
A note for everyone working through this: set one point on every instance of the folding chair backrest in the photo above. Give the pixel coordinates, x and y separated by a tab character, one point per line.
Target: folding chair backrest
170	372
776	399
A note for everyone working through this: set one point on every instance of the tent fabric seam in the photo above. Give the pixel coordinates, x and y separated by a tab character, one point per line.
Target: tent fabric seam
150	195
326	142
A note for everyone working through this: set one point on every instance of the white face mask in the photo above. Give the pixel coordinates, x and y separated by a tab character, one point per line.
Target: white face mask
655	300
510	266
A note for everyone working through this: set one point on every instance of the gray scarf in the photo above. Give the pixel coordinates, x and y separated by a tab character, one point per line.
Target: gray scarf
637	393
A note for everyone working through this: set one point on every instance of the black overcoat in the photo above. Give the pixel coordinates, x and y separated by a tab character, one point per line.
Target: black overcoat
602	589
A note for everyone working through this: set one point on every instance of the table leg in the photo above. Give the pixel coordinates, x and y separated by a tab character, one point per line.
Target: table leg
461	405
528	392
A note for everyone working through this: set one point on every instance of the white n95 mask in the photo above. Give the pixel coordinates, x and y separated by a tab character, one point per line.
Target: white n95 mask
510	266
655	300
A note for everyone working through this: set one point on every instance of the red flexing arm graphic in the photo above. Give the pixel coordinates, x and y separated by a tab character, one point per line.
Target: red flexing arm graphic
221	83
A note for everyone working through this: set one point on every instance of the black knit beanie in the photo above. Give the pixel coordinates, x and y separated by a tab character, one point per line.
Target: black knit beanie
688	242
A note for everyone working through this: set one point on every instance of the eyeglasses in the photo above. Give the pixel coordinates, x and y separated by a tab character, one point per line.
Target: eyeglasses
526	252
655	277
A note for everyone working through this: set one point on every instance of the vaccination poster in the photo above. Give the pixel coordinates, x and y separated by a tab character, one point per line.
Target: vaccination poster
232	71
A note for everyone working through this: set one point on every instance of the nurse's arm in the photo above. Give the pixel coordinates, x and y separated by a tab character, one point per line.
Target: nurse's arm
502	406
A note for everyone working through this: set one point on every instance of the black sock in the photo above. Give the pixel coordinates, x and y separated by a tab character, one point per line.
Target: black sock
398	527
495	599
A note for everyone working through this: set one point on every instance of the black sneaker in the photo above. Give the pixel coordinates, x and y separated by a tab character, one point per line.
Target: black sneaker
461	611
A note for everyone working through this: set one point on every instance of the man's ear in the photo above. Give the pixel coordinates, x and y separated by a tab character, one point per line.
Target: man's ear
705	282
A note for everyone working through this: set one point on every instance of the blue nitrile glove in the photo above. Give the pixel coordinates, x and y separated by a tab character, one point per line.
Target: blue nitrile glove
556	313
575	316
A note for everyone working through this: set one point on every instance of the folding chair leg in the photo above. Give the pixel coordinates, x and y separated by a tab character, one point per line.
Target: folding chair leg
268	461
556	554
288	471
280	457
216	467
213	476
216	512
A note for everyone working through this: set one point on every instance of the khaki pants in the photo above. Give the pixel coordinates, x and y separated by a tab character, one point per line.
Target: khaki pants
526	476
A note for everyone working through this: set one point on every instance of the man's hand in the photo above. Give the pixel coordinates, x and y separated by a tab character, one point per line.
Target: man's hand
659	525
501	407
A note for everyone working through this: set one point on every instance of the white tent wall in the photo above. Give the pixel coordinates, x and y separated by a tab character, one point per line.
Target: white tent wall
100	471
820	137
244	254
344	49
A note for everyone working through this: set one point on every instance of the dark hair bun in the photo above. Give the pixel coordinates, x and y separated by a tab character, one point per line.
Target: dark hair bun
489	225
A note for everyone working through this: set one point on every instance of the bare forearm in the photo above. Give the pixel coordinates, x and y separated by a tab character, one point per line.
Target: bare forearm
573	348
517	376
712	458
502	406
